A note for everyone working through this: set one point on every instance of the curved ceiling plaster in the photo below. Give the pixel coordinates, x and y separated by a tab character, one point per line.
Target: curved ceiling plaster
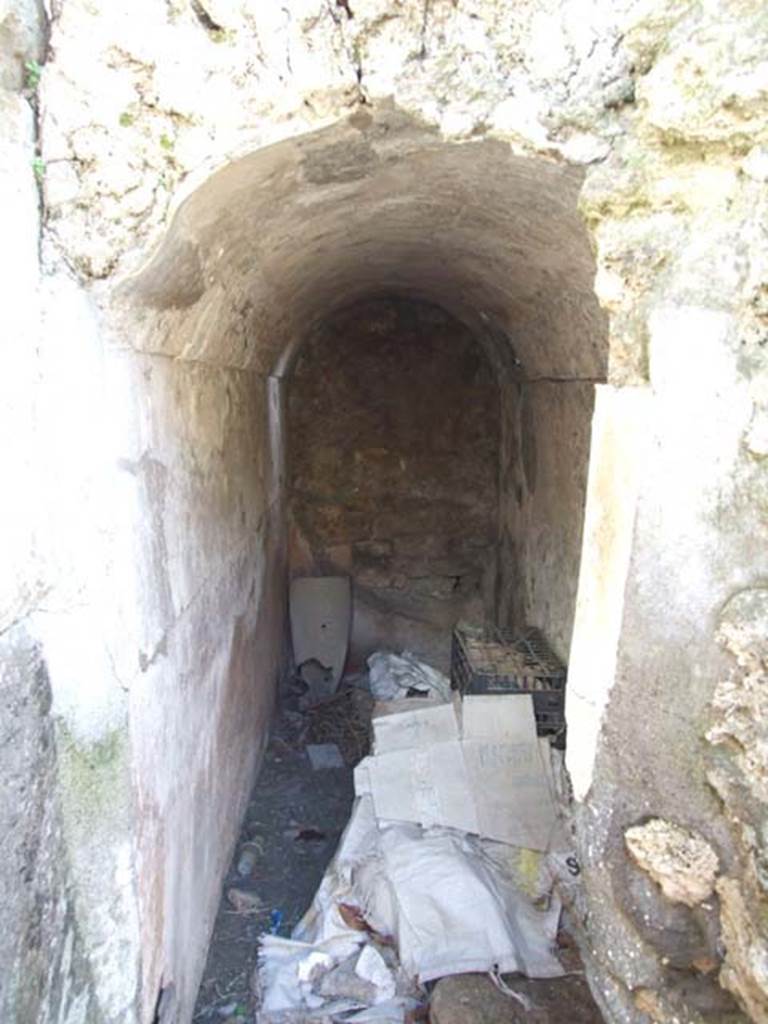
272	244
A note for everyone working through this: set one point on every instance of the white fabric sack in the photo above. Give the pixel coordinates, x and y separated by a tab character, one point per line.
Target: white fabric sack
357	856
458	912
287	969
392	675
454	903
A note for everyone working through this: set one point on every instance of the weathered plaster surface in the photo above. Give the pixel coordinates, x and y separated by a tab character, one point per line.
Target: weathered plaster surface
543	489
380	204
208	646
617	454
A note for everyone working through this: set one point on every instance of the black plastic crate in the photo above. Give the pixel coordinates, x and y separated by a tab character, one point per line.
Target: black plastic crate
501	661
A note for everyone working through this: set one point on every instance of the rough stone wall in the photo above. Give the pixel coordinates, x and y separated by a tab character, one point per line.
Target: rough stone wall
44	973
678	213
143	95
393	446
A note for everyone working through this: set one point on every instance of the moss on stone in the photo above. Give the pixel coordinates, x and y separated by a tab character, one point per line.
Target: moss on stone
91	773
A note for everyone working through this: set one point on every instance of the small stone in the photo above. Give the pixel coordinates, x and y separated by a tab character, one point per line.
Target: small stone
647	1001
681	862
706	964
746	950
244	902
324	755
584	148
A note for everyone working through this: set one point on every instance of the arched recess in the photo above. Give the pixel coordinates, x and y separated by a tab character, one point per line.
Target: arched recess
393	444
259	258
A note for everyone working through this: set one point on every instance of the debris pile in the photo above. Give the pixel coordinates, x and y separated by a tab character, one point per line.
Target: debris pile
447	864
344	720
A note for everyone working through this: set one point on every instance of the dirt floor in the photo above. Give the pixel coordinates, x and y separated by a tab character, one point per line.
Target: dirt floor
293	823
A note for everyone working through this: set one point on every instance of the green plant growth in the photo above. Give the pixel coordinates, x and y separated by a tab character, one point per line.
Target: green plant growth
38	168
166	143
126	119
92	775
32	73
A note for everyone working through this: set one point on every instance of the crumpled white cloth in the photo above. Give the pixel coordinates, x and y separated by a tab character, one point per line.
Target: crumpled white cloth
393	675
454	903
460	909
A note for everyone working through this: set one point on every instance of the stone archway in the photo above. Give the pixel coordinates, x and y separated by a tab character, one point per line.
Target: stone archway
260	257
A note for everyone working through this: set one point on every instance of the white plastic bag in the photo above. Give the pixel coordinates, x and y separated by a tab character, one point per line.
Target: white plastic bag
288	970
393	675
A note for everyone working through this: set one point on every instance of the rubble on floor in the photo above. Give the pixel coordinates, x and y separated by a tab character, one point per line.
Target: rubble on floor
293	823
447	865
343	719
397	907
